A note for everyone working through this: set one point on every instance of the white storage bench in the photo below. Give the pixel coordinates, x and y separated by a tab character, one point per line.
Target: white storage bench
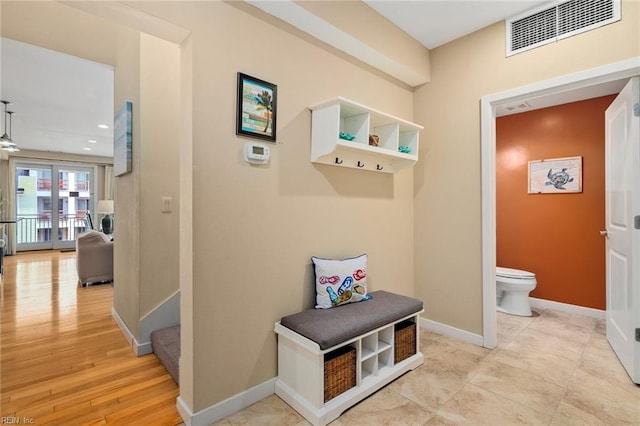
384	334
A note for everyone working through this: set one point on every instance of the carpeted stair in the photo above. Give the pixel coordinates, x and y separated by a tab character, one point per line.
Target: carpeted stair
165	343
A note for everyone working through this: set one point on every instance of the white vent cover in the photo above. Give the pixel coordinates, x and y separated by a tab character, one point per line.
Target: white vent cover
552	23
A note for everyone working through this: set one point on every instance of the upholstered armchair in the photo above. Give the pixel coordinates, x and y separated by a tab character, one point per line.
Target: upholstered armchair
94	257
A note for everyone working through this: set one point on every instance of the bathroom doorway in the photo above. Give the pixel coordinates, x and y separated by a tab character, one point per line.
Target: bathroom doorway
578	86
554	231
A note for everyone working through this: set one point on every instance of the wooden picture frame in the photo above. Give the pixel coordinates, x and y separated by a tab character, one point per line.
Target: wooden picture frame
555	176
256	108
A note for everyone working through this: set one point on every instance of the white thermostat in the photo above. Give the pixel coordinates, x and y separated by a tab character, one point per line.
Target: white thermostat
256	153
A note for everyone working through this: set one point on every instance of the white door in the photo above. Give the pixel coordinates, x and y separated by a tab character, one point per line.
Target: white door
622	160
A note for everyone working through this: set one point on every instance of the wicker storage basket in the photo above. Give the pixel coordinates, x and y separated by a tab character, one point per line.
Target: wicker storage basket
405	341
339	371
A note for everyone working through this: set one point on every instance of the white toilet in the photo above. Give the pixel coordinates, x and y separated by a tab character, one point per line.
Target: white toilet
512	291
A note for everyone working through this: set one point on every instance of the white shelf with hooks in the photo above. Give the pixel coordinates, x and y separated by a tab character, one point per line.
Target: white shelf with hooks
339	116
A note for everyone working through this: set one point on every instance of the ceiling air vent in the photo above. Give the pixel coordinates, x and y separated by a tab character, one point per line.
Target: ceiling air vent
552	23
533	29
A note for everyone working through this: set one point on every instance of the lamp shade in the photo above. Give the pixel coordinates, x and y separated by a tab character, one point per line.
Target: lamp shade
105	206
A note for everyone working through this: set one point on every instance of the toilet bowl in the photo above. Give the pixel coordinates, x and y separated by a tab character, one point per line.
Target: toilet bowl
512	291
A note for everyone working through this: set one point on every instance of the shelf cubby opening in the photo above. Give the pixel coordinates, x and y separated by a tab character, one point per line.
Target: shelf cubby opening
369	367
385	358
357	125
369	346
387	136
410	139
386	336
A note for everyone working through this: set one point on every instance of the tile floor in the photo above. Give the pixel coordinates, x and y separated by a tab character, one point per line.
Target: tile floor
551	369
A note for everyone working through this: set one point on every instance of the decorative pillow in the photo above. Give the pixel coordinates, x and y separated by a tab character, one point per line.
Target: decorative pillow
339	282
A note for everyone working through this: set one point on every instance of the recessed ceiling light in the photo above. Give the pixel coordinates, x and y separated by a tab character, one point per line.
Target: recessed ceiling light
87	149
103	126
92	141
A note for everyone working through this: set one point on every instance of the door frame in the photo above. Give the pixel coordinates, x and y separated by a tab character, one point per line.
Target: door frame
488	104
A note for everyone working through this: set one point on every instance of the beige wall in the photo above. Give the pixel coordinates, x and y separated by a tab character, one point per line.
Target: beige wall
146	240
448	254
159	152
255	228
126	253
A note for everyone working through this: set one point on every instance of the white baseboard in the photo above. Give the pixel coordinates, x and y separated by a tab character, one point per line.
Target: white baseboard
227	407
141	348
565	307
138	348
447	330
123	327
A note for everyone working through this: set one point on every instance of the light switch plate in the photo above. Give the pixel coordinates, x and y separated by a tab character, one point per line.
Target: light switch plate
166	205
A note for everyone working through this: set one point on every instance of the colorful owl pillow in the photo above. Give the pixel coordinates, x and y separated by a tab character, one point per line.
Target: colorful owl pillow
339	282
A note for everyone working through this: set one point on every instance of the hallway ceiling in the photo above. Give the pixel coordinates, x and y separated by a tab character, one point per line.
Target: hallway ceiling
437	22
59	100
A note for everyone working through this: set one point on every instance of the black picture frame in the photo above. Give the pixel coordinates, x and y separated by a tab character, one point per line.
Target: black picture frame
256	108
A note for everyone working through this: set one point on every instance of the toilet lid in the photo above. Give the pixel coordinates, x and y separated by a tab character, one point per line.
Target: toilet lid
513	273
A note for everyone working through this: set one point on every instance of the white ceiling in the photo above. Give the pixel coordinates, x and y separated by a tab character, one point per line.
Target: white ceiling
437	22
59	100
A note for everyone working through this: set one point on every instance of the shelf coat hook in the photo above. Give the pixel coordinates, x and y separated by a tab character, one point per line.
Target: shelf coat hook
378	167
338	161
360	164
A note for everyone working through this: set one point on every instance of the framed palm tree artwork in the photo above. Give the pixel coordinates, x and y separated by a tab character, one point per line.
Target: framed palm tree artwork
256	115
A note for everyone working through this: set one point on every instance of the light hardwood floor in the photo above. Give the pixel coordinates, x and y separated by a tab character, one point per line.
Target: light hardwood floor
63	358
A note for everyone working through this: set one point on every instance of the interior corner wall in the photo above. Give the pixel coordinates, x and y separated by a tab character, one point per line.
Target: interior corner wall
126	253
256	227
186	231
147	74
448	196
555	236
159	170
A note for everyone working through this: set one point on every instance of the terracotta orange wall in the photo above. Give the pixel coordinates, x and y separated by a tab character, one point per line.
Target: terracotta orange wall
554	235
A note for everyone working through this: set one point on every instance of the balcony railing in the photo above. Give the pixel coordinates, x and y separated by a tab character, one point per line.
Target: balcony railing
63	185
36	228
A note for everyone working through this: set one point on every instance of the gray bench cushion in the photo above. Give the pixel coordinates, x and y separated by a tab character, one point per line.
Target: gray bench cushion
329	327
